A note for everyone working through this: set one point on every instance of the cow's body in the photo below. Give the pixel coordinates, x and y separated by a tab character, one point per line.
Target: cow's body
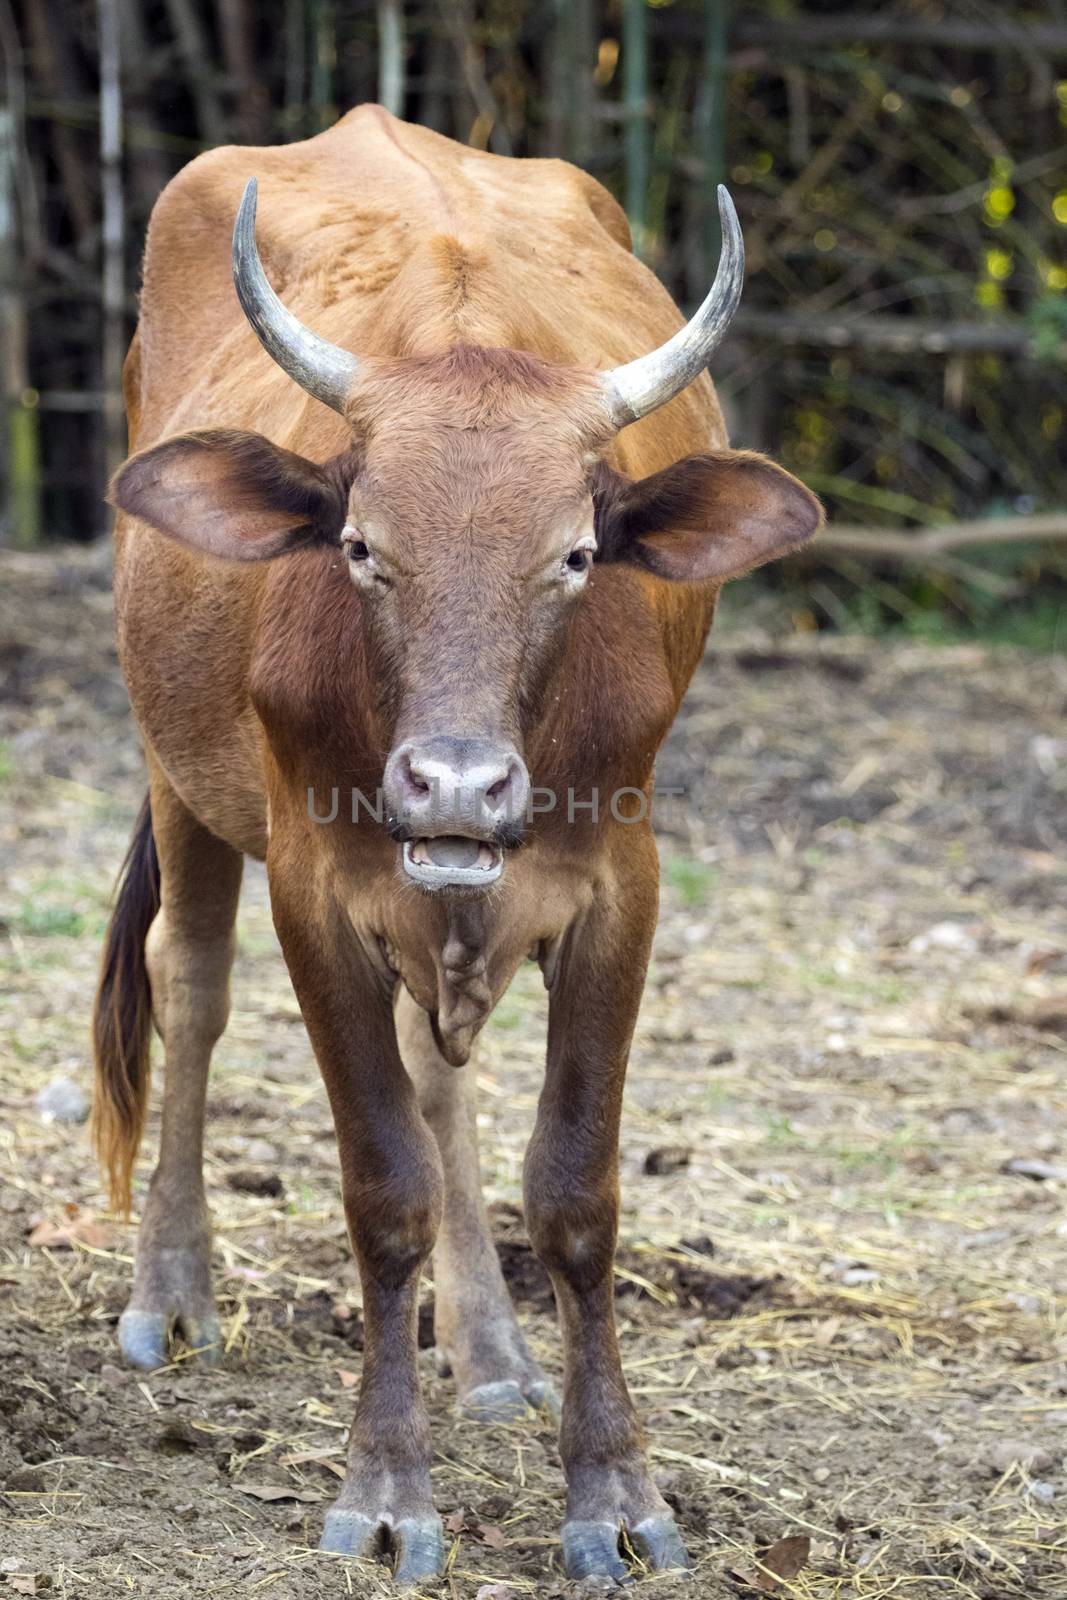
255	683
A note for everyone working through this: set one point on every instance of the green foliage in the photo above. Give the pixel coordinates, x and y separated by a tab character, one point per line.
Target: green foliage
691	880
48	921
1048	325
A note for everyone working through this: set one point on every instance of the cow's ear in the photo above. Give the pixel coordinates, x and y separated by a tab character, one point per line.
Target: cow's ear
233	494
713	516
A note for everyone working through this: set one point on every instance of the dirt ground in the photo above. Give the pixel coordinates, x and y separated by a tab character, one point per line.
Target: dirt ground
844	1160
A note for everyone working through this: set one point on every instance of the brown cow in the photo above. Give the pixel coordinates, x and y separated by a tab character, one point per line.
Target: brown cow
448	563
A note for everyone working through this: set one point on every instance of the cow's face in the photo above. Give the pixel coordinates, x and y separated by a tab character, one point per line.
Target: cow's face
474	511
470	537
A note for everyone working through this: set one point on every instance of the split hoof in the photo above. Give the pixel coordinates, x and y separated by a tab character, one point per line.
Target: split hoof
542	1396
507	1400
591	1550
350	1533
418	1542
144	1337
659	1544
420	1546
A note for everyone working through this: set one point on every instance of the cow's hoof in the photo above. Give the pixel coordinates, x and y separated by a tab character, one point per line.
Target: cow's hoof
658	1543
144	1337
420	1546
418	1542
591	1550
508	1401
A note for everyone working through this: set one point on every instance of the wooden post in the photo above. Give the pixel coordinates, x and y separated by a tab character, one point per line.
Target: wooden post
113	350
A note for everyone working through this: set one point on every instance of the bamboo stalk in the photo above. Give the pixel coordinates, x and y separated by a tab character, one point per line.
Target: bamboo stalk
851	27
323	61
902	334
391	55
21	451
709	145
919	548
113	233
635	107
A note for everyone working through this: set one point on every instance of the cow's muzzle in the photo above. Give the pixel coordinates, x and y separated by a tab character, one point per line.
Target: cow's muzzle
456	805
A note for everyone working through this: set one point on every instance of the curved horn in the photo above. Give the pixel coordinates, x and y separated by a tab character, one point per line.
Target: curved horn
324	370
649	382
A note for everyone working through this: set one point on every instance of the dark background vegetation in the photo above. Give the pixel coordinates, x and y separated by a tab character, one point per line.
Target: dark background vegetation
900	170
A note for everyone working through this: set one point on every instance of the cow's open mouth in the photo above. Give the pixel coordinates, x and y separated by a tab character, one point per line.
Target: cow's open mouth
453	862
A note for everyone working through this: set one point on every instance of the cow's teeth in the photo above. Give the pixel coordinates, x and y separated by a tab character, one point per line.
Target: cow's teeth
485	858
420	854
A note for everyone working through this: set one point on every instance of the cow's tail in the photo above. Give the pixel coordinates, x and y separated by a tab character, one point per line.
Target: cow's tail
122	1016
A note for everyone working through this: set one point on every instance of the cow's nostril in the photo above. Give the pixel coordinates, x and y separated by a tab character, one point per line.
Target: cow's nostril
414	777
495	790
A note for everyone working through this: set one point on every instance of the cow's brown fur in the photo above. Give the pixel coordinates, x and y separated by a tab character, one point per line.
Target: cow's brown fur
481	296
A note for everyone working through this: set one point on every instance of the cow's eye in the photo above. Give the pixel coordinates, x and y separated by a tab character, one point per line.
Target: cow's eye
357	550
580	558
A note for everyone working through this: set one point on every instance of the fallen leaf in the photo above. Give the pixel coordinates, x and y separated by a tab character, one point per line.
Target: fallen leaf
249	1182
321	1458
783	1560
457	1521
493	1536
665	1159
279	1491
347	1380
22	1582
65	1235
494	1591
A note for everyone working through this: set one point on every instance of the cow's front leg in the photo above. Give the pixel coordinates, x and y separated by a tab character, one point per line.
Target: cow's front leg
392	1189
572	1202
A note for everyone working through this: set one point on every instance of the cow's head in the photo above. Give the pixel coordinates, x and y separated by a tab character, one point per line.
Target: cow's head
472	508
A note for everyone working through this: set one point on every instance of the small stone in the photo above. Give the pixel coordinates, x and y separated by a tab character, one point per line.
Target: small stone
1008	1453
820	1474
27	1479
1040	1171
62	1100
261	1153
945	936
1042	1492
852	1277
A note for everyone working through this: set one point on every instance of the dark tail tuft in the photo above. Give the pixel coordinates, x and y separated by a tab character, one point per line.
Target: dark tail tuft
122	1016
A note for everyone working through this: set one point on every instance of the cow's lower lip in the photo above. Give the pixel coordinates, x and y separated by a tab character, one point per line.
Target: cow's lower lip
453	862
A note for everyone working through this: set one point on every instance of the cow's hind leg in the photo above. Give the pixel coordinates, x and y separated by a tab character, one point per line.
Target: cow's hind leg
189	952
478	1338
